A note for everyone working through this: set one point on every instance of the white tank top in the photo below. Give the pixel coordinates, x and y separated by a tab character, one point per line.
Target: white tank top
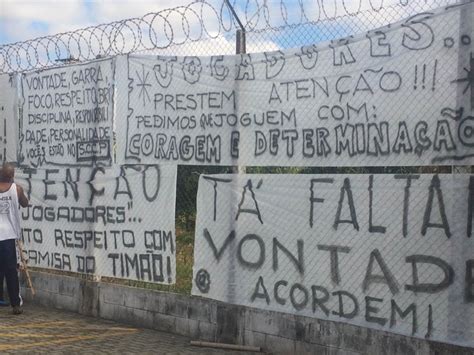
9	214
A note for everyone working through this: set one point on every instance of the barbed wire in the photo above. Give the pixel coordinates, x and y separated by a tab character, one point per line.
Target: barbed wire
197	21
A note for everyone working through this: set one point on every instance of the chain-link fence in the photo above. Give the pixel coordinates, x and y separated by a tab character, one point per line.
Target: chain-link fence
204	28
210	28
363	249
340	225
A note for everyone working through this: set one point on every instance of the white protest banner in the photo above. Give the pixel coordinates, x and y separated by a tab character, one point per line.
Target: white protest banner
67	115
399	95
116	222
8	118
390	252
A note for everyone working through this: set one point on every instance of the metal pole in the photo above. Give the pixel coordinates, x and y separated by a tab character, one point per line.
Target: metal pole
240	48
466	26
235	15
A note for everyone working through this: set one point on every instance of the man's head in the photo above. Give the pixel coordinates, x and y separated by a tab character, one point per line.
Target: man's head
7	172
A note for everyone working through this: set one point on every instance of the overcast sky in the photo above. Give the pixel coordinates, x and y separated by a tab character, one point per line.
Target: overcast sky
21	20
26	19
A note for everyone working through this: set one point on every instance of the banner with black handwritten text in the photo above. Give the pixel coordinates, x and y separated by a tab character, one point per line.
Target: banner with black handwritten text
8	118
389	252
398	95
67	115
115	222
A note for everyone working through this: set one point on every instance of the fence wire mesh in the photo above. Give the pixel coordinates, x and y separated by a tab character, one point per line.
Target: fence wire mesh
347	247
206	28
209	28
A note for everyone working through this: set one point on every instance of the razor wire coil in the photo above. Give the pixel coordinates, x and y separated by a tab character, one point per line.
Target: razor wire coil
198	21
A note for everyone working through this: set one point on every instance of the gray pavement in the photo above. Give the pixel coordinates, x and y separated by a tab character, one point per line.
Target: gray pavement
42	330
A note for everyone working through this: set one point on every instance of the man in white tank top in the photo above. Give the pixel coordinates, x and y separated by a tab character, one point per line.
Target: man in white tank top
12	197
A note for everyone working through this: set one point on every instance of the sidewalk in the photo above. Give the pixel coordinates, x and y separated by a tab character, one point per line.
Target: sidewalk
42	330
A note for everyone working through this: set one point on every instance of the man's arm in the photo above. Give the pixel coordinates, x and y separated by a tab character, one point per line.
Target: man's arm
22	197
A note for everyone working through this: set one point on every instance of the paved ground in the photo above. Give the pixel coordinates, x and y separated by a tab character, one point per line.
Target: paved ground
42	330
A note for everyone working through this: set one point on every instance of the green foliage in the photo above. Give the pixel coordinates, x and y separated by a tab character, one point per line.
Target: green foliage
186	192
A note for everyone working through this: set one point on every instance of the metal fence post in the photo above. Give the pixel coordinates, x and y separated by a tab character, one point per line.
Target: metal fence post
240	44
240	48
466	24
